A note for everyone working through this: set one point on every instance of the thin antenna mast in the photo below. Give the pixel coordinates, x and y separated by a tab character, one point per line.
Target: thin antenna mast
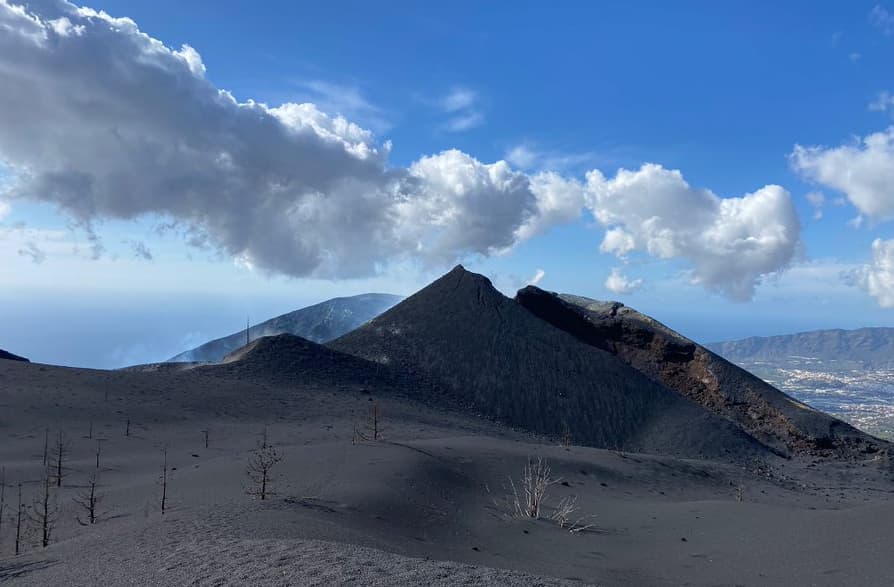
247	339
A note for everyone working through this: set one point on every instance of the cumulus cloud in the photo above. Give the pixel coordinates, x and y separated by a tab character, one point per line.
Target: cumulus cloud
619	284
731	244
4	209
877	278
104	121
557	200
538	277
862	170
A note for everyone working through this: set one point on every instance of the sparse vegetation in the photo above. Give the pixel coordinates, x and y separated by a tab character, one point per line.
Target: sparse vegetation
536	480
19	521
566	439
260	468
529	497
164	480
44	512
60	453
46	447
89	499
372	429
98	452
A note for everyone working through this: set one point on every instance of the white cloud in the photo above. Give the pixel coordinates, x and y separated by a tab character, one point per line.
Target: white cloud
854	56
816	200
345	100
731	244
618	241
863	171
105	122
529	157
557	200
522	156
619	284
109	123
5	209
538	277
883	102
457	203
882	19
464	121
459	99
462	106
877	278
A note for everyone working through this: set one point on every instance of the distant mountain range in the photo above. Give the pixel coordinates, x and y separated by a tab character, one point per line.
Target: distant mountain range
11	357
318	323
868	348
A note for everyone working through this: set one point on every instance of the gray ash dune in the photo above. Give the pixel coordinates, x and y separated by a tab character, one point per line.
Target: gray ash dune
484	352
7	356
767	414
871	348
319	323
287	358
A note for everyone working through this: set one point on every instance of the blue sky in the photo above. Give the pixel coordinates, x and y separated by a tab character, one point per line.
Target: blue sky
721	92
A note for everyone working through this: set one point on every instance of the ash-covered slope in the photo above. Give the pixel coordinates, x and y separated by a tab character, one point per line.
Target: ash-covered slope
769	415
319	323
7	356
871	348
483	352
289	358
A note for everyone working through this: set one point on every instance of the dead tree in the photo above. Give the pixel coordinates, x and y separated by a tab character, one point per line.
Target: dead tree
164	482
98	452
127	428
46	447
44	512
19	521
372	429
205	437
60	454
90	431
260	466
89	499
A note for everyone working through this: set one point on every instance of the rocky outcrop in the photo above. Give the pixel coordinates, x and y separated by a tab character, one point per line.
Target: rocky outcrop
770	416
